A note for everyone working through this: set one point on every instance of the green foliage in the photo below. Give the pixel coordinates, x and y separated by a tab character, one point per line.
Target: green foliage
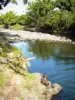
27	85
17	27
30	76
3	53
38	10
2	81
1	20
68	5
16	52
28	80
6	47
42	16
8	19
53	19
67	19
1	26
22	19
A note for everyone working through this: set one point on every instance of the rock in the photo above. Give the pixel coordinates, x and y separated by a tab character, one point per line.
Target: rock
56	88
17	80
10	55
47	93
23	35
24	88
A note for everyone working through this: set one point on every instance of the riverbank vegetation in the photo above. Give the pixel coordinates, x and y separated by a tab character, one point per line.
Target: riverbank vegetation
9	59
16	82
11	66
49	16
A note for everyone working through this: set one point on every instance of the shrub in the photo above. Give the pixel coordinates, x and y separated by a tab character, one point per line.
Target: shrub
1	26
17	27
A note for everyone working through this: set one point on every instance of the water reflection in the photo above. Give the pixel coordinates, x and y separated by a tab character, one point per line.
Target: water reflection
42	49
60	51
57	60
73	68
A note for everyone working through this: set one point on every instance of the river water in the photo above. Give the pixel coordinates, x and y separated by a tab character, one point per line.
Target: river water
57	60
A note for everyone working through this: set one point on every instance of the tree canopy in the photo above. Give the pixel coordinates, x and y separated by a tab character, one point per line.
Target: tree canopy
68	5
42	15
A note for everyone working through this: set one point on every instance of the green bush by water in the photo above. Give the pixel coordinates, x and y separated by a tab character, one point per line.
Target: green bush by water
17	27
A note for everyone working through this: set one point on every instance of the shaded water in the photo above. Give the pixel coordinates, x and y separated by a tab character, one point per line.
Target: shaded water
57	60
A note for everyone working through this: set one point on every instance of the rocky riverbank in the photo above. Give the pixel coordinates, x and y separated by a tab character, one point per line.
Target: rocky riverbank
24	88
16	83
26	35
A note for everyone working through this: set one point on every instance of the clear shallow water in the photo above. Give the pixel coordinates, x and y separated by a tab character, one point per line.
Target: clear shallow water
57	60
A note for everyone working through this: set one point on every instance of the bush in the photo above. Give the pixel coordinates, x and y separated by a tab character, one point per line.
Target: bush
1	26
17	27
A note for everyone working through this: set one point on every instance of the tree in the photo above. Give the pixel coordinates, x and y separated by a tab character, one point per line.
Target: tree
60	20
9	19
38	10
67	19
5	2
44	18
68	5
22	19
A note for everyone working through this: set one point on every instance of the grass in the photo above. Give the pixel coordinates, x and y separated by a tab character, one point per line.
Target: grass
22	98
1	26
27	85
28	80
6	47
3	80
17	65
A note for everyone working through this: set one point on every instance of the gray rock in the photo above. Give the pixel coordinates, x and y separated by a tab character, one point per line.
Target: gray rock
48	93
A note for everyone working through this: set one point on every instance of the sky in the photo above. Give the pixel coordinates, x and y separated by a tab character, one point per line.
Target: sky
19	9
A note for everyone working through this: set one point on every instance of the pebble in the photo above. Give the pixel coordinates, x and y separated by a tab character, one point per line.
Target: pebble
35	35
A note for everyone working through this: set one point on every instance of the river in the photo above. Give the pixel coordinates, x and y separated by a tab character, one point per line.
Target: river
57	60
